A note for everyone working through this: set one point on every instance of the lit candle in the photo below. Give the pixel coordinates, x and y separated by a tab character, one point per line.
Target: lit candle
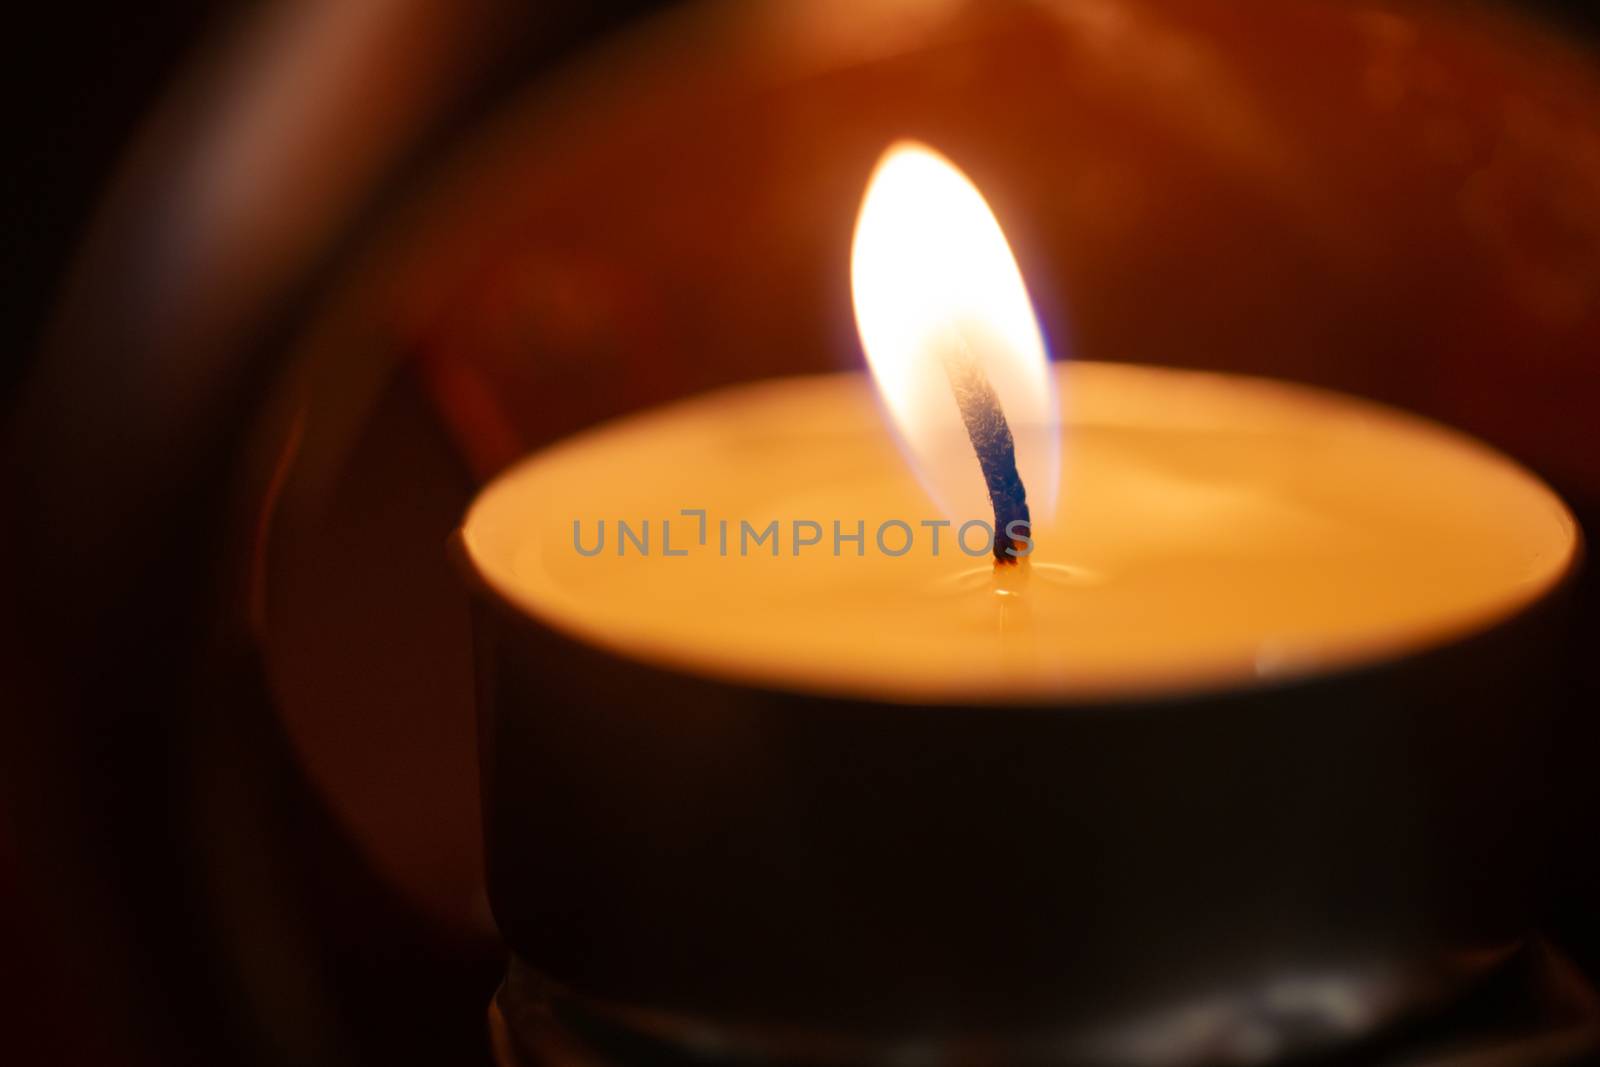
776	736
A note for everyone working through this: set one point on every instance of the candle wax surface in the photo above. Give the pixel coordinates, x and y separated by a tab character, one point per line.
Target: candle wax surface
1211	531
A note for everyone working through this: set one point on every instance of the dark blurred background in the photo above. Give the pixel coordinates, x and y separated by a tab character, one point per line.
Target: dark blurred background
84	81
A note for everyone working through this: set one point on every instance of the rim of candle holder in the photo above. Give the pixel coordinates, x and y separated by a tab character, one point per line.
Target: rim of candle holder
1553	1021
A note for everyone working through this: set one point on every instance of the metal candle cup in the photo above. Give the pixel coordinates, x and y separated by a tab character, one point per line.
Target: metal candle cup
761	845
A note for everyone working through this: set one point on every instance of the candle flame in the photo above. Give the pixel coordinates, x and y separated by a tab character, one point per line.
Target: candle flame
933	278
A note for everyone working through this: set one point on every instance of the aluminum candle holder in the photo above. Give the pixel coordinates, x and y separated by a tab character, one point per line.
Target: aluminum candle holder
751	876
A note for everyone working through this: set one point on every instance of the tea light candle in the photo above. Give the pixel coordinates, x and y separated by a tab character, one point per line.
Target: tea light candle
781	749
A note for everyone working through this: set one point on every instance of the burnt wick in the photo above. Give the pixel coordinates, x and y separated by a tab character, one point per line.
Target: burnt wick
991	438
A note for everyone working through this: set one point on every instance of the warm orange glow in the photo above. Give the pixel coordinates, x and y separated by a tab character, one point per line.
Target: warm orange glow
931	272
